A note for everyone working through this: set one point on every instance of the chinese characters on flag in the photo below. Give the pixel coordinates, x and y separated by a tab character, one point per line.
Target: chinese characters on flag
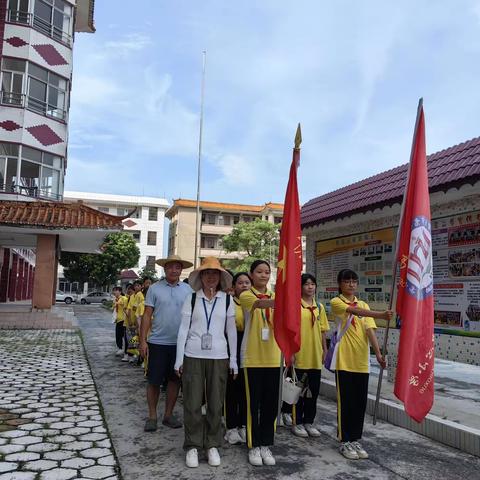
288	291
414	382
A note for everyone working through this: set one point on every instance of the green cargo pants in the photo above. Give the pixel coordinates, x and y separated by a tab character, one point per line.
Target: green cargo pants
203	380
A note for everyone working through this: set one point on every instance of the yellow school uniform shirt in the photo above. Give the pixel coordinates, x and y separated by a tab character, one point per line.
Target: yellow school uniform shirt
120	305
131	320
354	349
256	352
311	350
138	304
239	320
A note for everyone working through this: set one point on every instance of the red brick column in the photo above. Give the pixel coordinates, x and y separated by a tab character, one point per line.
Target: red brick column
30	282
45	269
4	274
12	283
26	273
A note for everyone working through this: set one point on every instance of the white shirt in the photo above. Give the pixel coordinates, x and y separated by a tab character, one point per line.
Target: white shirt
194	324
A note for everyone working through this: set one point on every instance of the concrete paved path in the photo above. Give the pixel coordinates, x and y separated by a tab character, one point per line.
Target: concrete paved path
395	453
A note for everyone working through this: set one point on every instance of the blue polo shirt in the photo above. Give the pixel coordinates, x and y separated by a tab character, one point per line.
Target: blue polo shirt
166	301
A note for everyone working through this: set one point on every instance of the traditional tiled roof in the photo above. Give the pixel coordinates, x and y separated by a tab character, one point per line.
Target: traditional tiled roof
128	275
448	168
56	215
217	206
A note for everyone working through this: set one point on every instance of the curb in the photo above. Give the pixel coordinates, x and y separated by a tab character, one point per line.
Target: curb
443	431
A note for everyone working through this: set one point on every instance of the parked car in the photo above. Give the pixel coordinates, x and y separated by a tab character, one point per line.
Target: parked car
68	298
95	297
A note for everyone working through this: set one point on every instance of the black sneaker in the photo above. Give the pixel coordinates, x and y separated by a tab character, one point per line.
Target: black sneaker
150	425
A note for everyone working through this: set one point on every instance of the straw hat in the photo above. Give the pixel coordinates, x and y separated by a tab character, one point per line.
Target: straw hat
209	263
174	258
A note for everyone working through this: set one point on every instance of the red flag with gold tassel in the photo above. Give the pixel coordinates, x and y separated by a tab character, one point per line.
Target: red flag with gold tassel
288	292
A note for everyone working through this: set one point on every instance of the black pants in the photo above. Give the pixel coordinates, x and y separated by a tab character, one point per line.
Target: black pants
261	385
352	392
306	407
119	334
235	404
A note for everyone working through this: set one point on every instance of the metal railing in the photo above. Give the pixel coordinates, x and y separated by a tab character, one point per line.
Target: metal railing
39	24
31	103
35	192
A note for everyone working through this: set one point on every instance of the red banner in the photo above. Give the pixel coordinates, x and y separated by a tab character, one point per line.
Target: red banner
414	382
288	292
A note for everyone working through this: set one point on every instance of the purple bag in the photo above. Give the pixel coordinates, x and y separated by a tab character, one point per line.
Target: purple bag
331	356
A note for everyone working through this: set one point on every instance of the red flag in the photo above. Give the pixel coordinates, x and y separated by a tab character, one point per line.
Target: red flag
288	291
414	379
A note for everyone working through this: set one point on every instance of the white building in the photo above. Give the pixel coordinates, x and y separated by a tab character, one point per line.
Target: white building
146	225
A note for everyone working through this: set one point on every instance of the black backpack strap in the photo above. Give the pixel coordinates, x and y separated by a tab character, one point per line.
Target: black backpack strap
194	298
227	302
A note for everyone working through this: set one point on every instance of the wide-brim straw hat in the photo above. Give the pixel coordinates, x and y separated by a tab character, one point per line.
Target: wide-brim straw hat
174	258
209	263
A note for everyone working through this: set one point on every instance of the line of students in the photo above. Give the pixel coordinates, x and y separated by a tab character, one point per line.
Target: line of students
128	311
203	357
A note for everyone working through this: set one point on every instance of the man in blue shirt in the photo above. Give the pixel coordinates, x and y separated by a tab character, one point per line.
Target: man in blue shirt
164	302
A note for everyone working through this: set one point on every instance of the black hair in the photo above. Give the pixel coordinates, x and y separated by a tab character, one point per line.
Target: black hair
308	276
137	282
230	272
118	289
147	278
238	275
345	274
256	263
185	280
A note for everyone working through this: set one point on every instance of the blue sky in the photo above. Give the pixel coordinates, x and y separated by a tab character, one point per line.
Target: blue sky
350	71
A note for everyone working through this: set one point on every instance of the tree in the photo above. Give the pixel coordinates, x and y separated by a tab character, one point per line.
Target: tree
147	271
253	240
119	251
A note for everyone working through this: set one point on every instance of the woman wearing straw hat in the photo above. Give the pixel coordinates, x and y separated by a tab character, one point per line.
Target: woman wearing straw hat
202	358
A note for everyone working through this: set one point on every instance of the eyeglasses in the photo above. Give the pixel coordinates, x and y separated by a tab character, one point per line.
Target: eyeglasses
350	282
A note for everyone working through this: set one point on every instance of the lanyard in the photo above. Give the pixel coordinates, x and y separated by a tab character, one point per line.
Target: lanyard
209	317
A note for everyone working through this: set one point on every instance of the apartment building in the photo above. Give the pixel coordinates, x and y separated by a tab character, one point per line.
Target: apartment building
217	220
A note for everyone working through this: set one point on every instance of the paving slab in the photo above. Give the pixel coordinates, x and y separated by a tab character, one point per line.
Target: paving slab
395	453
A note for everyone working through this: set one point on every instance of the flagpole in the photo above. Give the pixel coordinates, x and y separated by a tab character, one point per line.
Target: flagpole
395	265
197	217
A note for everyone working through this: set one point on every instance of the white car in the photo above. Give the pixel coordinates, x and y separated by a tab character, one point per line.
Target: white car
95	297
68	298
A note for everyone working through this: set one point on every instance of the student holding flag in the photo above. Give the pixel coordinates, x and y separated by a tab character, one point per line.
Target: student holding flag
355	334
260	360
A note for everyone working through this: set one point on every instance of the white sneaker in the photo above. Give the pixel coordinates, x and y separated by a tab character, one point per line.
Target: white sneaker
347	450
361	452
213	457
267	457
125	358
242	433
192	458
299	431
254	457
119	352
232	436
311	430
287	419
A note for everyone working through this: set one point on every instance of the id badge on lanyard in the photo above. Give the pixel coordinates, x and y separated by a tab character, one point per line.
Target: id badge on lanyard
207	339
265	329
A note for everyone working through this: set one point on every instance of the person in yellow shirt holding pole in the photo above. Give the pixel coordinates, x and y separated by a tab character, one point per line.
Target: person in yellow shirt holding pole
351	361
309	359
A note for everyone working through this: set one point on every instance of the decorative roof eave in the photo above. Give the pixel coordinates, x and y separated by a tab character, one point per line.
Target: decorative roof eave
57	215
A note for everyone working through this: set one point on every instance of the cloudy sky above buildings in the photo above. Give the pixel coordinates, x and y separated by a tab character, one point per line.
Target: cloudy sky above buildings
350	71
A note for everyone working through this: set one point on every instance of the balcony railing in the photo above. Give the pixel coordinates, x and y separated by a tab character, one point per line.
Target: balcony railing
35	192
39	24
31	103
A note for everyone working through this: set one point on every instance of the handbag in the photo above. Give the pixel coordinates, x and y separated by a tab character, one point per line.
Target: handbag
291	390
331	356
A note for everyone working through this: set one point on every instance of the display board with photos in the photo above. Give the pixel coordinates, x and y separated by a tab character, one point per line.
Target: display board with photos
369	254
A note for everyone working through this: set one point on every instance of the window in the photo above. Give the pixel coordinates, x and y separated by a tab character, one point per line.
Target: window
153	214
277	220
211	241
103	209
150	264
13	74
18	11
46	92
8	166
122	212
137	213
152	238
53	18
211	219
136	234
224	220
236	219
